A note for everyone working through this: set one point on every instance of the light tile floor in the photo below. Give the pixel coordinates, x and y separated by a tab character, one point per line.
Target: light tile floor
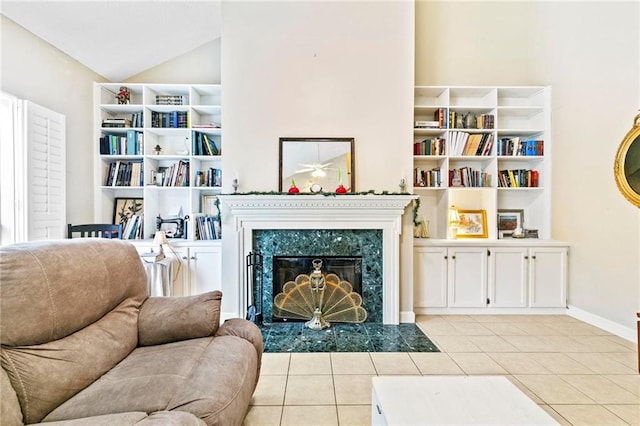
579	374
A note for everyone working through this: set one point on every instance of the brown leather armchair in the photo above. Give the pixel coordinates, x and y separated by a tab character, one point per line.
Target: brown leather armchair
83	342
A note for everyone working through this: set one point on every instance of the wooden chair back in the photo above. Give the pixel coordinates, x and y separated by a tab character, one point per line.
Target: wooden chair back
95	230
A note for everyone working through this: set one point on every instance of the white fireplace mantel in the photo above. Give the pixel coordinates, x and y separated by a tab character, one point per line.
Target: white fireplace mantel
242	214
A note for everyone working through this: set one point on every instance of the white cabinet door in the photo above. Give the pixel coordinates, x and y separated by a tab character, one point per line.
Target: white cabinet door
179	270
205	266
467	277
548	277
508	277
430	277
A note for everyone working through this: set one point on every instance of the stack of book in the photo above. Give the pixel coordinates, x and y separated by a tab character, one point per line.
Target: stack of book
133	229
434	146
116	122
207	227
203	144
209	177
427	178
169	100
470	144
174	119
468	177
175	175
518	178
124	173
131	144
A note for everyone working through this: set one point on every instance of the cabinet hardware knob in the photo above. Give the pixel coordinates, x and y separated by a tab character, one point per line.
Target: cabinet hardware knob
193	258
526	257
453	257
184	257
446	257
533	257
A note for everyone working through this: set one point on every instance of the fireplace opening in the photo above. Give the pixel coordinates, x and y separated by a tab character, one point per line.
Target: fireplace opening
318	290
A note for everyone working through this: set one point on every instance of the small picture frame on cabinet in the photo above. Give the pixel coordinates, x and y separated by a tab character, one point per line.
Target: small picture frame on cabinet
472	224
508	221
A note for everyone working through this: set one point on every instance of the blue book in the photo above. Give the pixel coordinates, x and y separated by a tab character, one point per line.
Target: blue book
132	142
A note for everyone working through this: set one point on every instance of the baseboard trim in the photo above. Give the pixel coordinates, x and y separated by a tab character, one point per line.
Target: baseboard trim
407	317
603	323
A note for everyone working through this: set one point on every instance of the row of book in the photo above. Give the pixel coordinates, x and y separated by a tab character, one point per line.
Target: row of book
175	175
447	119
468	177
137	119
209	177
427	178
133	228
473	144
203	144
207	227
518	146
428	146
130	144
173	119
169	100
124	173
518	178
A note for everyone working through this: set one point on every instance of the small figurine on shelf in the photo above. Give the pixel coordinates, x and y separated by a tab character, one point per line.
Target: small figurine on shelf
157	149
293	189
123	96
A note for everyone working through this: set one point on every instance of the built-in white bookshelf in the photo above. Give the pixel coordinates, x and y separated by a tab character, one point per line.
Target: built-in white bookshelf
163	146
519	116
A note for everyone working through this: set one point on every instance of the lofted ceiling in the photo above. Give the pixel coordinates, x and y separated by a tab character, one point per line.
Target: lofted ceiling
118	39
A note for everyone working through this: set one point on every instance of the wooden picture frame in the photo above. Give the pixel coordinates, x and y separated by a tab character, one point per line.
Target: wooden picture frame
316	164
124	208
626	167
508	221
473	224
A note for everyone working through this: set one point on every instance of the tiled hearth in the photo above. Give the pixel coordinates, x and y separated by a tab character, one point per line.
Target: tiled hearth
341	337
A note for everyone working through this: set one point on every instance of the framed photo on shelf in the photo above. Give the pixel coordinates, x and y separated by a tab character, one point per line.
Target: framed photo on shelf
473	224
508	221
124	208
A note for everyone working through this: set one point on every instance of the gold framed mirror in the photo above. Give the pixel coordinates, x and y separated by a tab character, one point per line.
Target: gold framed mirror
626	168
316	164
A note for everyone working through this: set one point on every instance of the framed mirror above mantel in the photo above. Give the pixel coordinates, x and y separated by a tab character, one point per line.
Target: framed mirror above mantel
316	164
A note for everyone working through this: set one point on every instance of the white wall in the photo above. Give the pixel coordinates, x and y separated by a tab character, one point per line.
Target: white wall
588	52
34	70
318	69
198	66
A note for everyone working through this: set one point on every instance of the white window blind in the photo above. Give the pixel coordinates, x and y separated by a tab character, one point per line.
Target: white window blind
38	178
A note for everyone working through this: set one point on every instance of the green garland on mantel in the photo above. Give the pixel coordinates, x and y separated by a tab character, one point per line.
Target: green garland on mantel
416	202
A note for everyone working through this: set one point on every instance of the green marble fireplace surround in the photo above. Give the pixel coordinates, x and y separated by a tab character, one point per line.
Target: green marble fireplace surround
318	243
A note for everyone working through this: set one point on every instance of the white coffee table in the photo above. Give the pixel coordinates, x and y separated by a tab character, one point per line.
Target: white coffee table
452	400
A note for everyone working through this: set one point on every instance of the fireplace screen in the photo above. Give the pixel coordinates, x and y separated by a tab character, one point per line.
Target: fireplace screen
318	290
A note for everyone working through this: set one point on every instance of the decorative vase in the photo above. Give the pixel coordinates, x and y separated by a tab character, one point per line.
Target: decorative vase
469	121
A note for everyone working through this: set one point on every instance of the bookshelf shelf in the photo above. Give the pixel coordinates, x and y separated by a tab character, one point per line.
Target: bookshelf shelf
170	116
513	117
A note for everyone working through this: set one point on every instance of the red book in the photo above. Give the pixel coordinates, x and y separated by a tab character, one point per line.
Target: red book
534	178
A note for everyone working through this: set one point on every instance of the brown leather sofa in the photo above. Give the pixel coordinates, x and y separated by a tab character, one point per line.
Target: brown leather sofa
82	343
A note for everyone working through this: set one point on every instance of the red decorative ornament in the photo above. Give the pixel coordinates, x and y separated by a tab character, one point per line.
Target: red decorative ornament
293	189
341	189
